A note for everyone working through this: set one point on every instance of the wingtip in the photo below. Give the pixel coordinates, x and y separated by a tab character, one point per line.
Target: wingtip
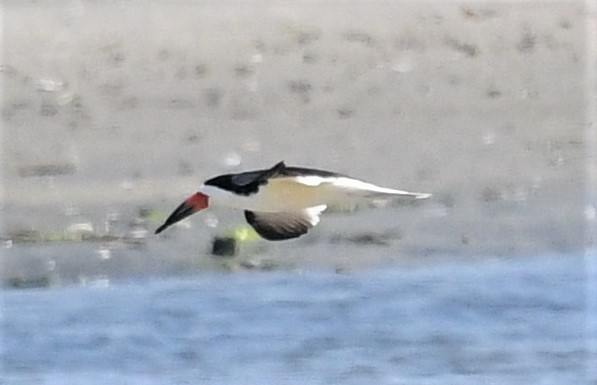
276	169
423	196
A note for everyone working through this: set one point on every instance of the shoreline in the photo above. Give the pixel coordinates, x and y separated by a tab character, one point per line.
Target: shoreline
477	104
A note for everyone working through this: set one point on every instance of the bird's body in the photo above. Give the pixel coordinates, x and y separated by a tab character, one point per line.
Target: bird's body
283	202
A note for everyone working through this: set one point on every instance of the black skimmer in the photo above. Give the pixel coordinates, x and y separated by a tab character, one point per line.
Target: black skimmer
282	202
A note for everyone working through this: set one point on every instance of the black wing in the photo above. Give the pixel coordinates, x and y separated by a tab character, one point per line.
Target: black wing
303	171
283	225
245	183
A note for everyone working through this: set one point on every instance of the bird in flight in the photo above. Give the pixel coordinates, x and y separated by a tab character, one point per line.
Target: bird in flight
282	202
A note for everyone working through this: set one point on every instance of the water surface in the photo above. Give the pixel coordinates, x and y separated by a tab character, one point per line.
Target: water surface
497	321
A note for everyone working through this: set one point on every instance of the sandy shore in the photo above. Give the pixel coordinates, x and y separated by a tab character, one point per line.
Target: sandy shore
112	107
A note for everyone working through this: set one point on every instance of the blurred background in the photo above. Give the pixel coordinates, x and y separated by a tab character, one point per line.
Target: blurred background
114	112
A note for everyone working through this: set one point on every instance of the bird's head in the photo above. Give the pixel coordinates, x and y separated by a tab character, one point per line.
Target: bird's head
190	206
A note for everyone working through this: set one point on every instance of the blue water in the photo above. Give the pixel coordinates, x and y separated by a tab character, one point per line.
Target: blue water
502	321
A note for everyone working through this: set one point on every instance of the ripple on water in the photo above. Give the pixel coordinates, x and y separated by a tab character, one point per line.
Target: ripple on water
513	321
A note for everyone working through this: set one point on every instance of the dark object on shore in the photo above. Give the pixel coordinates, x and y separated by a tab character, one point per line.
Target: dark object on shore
368	238
50	169
27	283
224	246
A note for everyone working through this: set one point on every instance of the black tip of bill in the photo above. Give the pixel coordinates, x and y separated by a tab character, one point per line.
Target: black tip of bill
181	212
161	228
